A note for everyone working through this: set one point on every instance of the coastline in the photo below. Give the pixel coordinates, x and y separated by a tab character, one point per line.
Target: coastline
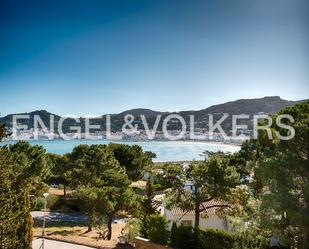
166	151
9	141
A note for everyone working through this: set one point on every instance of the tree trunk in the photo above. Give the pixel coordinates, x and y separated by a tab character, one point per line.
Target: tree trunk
109	227
306	230
91	220
306	239
64	190
89	227
197	215
197	208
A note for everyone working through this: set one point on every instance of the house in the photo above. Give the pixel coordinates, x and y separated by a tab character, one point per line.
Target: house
209	218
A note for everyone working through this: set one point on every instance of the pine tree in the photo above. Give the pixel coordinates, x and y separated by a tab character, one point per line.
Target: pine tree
211	179
147	208
10	209
101	182
3	132
20	166
284	172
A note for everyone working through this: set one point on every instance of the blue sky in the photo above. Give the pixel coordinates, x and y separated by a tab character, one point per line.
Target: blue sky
96	57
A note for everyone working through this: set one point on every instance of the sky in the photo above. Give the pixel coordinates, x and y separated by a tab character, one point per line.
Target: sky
94	57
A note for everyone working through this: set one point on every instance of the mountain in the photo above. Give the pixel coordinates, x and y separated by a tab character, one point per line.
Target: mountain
8	120
251	106
140	111
268	105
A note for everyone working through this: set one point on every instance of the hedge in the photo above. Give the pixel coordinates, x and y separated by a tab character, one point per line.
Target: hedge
186	237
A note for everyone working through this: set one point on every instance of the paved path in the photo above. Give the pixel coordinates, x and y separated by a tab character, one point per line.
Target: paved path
52	244
59	216
67	217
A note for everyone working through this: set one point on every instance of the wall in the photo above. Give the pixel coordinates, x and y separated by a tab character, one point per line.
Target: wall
213	221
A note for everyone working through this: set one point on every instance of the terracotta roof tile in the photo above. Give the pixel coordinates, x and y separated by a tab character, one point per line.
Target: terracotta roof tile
210	208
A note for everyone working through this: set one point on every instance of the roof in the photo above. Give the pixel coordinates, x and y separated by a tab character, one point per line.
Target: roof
209	208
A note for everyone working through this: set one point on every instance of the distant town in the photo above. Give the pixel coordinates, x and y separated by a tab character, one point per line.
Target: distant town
141	135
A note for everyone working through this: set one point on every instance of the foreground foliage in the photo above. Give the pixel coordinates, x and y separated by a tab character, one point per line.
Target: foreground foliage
100	182
187	237
212	179
158	229
283	169
22	167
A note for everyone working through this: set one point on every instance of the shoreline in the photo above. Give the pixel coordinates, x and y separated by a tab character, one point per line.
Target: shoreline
125	141
166	151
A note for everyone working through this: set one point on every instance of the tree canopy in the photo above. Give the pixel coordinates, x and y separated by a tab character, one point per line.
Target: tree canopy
132	158
22	167
100	182
211	179
284	172
3	132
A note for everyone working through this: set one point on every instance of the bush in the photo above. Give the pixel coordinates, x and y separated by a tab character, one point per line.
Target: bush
183	237
51	200
131	230
39	203
248	240
66	204
158	229
173	237
214	239
187	237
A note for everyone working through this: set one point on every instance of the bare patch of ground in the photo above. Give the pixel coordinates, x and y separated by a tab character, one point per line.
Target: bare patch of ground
58	191
78	234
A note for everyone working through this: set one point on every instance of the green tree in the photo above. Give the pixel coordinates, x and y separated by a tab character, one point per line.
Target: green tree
284	172
214	239
133	158
147	207
158	229
3	132
211	179
22	166
245	220
60	168
10	208
100	181
172	176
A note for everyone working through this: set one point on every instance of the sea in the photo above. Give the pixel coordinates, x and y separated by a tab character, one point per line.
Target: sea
166	151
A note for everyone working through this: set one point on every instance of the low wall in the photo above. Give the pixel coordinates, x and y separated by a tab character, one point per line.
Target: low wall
141	243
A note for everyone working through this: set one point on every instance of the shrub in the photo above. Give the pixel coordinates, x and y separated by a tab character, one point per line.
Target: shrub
158	229
248	240
39	204
173	237
144	225
101	228
51	200
214	239
67	204
182	237
131	230
186	237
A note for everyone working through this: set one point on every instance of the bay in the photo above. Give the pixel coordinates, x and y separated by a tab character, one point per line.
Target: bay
165	150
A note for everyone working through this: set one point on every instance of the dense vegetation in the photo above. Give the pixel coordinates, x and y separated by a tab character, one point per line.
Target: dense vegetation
22	168
263	189
266	182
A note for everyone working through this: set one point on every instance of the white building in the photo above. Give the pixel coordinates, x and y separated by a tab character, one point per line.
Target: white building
209	218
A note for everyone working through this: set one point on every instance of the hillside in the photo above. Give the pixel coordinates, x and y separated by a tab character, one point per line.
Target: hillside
251	106
242	106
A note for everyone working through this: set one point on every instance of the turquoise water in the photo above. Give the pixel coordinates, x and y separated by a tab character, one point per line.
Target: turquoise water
165	150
